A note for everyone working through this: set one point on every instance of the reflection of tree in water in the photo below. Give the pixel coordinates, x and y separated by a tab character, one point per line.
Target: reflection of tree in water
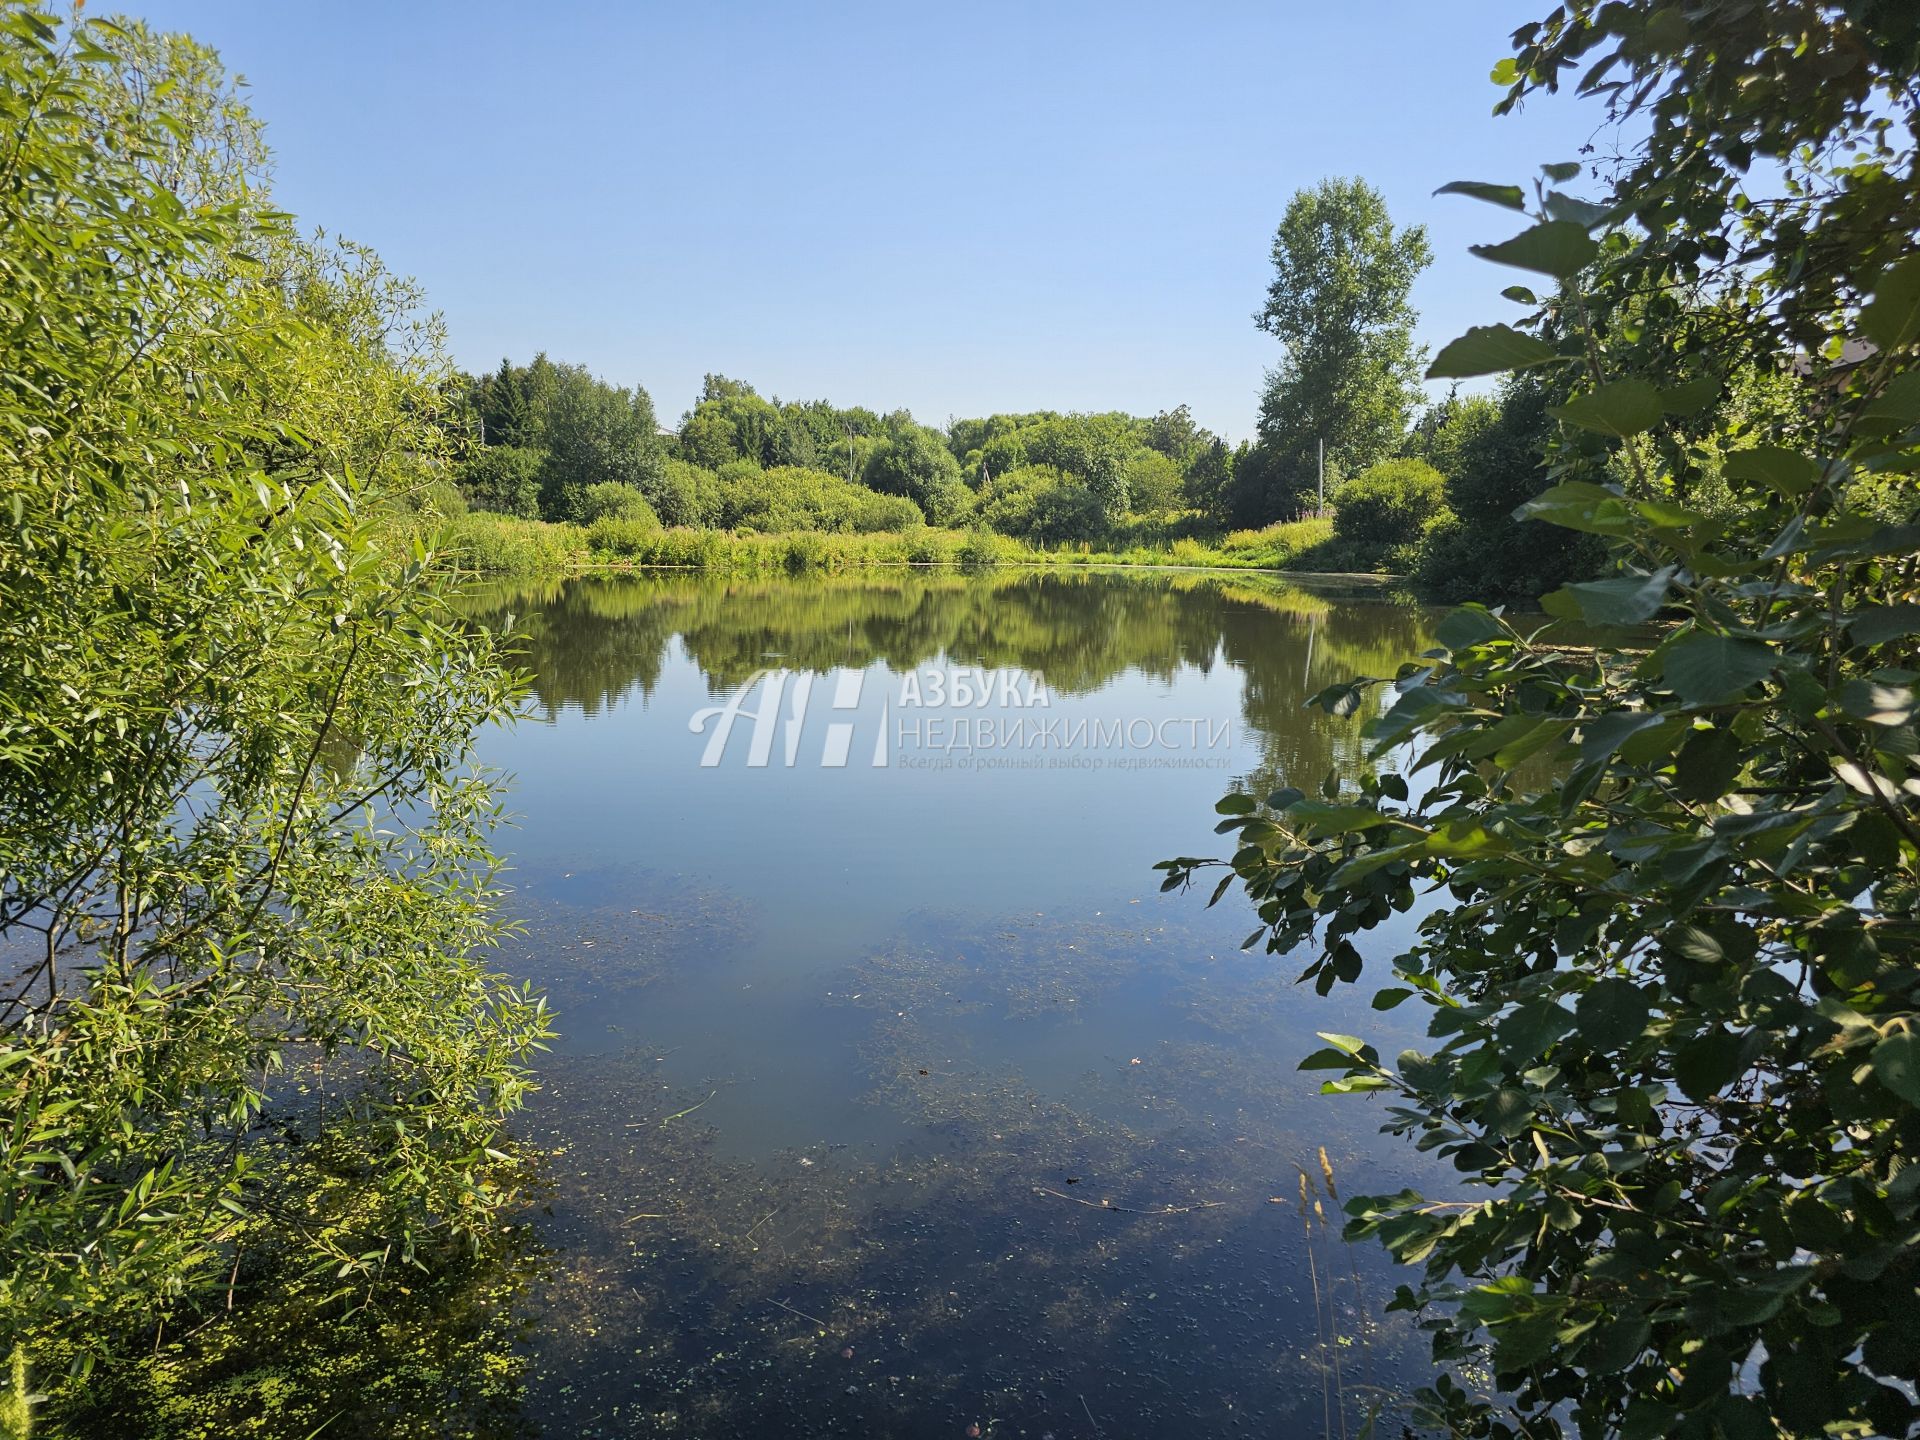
586	642
591	641
1288	656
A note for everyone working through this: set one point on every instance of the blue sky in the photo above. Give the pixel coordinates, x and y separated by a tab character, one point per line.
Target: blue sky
956	209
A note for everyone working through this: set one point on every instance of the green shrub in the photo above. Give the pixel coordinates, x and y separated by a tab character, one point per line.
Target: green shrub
790	498
1279	546
441	499
686	494
1154	482
1190	552
1492	458
982	549
502	545
615	500
1657	889
883	548
949	504
876	513
646	545
1457	559
215	423
916	463
927	547
1389	504
1159	529
595	433
1004	454
1041	505
805	551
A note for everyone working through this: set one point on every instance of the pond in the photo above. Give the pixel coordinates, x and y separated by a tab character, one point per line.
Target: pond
892	1097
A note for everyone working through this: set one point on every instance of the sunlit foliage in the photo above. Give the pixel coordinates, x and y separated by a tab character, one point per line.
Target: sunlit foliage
239	820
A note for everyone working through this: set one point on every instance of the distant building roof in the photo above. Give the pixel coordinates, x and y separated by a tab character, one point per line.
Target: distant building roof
1852	352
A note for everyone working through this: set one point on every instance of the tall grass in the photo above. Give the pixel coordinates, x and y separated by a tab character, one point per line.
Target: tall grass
503	545
500	545
1323	1240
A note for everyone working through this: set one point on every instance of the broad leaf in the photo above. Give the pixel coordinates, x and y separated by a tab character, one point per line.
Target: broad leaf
1562	206
1881	623
1611	1014
1690	397
1899	402
1707	764
1465	627
1511	196
1704	668
1488	350
1579	505
1621	409
1560	248
1628	600
1507	1112
1896	1065
1709	1063
1877	704
1787	471
1892	318
1317	818
1527	1033
1605	734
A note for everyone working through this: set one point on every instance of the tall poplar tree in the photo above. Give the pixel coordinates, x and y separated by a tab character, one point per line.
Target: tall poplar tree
1350	370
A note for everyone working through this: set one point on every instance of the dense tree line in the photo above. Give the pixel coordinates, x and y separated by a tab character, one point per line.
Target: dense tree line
545	440
1424	488
1345	432
546	433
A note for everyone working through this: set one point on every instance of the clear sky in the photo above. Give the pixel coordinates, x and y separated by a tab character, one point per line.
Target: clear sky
956	209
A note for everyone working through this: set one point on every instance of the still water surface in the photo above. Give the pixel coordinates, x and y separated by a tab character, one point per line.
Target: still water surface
894	1099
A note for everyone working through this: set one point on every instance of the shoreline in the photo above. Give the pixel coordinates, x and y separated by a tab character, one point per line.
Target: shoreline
501	546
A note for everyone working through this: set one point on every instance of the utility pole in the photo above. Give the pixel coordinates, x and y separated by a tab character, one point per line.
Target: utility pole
1323	476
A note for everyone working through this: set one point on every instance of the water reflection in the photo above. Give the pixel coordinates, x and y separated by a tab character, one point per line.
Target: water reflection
592	642
896	1102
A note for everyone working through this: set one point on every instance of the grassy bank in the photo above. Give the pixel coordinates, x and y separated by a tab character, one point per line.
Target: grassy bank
500	545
